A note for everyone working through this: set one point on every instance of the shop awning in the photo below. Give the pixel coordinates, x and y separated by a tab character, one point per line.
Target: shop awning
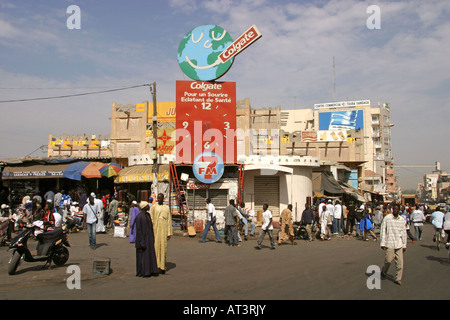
353	192
325	182
37	171
142	173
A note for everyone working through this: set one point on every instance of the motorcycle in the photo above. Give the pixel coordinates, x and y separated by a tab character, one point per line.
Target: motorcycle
52	246
300	232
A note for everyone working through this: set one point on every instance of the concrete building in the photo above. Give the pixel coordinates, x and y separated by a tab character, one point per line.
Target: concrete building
351	133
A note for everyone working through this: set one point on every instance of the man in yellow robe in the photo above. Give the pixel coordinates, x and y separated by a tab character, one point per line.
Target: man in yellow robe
162	228
287	228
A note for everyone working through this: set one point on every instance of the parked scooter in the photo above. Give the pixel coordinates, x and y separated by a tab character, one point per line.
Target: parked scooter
52	246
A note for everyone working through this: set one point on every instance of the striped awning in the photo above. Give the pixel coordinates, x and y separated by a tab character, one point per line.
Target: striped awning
142	173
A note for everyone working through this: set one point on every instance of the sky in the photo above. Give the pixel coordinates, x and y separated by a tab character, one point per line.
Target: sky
404	62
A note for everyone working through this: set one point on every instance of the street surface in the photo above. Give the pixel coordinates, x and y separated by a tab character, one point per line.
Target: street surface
335	269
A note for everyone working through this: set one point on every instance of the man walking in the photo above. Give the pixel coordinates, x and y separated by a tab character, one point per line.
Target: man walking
308	220
211	222
90	221
162	226
266	227
287	228
393	242
230	225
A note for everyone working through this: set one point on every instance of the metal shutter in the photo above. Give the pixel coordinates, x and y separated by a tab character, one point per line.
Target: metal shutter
219	198
267	190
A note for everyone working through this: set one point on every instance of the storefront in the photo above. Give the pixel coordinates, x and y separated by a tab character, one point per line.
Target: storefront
141	181
25	178
279	181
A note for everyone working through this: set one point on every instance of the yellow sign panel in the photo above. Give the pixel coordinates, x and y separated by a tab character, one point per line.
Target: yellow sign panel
140	107
166	111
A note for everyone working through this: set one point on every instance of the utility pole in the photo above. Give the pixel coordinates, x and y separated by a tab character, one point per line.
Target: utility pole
334	81
155	137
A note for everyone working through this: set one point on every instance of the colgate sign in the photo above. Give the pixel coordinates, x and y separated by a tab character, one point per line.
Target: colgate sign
245	40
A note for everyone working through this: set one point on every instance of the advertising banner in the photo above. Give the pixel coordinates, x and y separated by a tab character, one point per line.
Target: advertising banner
341	120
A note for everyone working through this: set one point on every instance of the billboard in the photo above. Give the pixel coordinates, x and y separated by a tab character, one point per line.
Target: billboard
205	120
341	120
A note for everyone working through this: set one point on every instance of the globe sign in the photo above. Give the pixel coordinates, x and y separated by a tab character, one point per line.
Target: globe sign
208	167
199	50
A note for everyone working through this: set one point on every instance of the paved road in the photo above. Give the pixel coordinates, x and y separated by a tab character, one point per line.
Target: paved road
335	269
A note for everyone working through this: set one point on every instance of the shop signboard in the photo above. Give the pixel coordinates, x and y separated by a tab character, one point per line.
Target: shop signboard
342	104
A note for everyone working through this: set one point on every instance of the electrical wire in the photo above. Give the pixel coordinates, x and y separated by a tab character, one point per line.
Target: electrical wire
74	95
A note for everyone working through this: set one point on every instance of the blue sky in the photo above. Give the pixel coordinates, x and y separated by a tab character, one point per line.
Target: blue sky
125	43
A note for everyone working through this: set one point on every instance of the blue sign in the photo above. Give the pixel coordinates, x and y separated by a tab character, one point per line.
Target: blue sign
208	167
341	120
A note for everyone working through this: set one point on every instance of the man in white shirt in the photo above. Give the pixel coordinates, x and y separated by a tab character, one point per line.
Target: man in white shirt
393	242
267	227
418	218
337	217
211	222
90	210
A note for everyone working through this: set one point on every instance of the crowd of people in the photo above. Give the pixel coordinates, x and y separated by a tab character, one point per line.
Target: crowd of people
322	221
150	224
58	209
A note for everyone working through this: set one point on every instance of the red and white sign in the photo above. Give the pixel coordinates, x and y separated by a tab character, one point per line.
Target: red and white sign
241	43
205	120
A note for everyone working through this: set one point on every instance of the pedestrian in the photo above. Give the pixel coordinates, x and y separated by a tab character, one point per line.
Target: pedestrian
418	218
308	221
330	209
359	215
286	226
90	221
57	199
146	264
49	196
162	227
100	228
113	211
324	220
447	226
377	217
405	216
337	217
247	217
211	222
393	242
366	225
437	220
132	221
267	227
351	218
230	225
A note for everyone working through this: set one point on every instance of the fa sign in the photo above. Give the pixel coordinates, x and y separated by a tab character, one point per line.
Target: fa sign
208	167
